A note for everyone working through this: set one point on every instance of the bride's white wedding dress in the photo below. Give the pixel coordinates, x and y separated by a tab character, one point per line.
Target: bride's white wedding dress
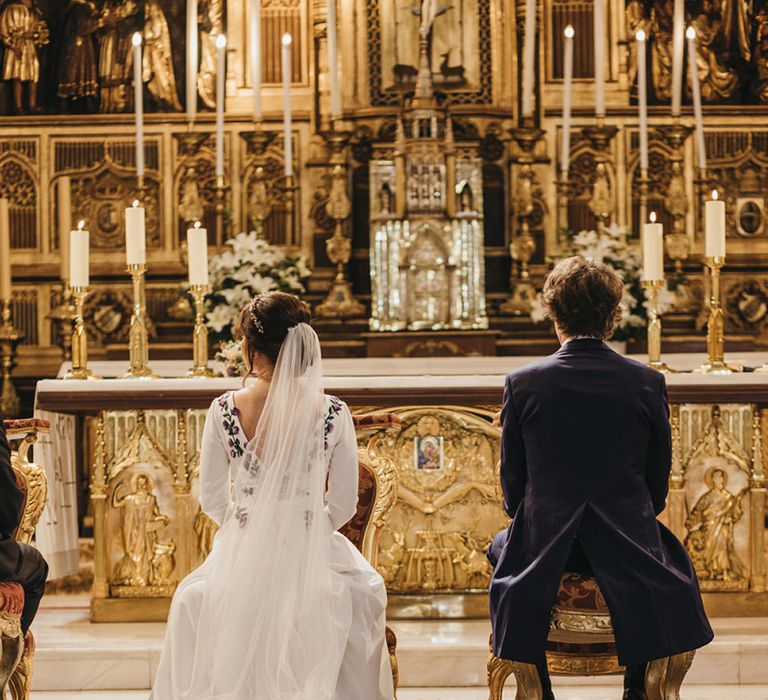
285	607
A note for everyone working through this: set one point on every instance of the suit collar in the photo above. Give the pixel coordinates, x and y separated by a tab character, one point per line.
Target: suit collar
578	344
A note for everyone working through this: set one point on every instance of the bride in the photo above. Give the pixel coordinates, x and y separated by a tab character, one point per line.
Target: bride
285	607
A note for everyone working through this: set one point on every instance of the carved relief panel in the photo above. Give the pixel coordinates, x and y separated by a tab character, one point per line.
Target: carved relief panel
448	508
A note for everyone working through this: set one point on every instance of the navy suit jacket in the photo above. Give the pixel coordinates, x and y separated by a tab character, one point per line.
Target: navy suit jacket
11	504
586	454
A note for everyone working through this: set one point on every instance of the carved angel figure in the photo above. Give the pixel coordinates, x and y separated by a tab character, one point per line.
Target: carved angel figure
22	31
716	80
710	530
157	68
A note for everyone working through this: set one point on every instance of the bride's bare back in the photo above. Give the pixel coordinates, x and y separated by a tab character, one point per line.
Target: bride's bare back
250	401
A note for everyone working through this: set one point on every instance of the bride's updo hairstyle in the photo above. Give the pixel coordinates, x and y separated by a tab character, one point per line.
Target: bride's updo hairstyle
265	322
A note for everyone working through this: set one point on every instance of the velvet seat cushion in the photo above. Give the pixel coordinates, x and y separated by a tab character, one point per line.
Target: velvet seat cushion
580	593
11	599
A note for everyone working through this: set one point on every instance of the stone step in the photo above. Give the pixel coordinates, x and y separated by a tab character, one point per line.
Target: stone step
74	655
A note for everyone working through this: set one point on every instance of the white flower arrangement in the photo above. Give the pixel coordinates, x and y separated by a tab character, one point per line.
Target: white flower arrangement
248	266
614	249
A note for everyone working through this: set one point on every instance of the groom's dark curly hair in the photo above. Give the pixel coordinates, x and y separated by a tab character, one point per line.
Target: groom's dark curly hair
583	297
264	323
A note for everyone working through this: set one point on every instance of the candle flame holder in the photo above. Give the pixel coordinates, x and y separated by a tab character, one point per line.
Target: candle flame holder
715	363
79	369
138	335
64	316
200	366
10	337
654	326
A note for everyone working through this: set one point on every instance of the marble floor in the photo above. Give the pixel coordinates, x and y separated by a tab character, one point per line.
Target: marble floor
439	660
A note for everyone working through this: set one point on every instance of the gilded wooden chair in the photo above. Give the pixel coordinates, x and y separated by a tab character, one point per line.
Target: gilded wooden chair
16	653
377	494
581	643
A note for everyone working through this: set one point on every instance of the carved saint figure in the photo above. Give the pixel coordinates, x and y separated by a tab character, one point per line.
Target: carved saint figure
77	70
710	530
141	522
211	18
121	19
22	31
760	53
717	81
191	208
157	68
636	20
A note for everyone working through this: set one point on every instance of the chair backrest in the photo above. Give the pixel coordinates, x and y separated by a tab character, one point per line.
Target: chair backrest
30	477
376	495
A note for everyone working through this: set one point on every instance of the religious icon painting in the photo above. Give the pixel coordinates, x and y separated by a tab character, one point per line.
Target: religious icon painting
429	453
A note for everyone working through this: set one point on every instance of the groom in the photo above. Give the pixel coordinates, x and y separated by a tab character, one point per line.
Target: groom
585	461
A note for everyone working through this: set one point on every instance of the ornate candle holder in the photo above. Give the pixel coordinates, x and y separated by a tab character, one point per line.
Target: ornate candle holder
200	366
643	188
64	316
340	302
654	326
138	335
10	337
563	196
79	369
715	363
602	203
678	245
523	244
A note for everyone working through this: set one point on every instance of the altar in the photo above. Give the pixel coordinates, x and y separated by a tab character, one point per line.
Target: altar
141	443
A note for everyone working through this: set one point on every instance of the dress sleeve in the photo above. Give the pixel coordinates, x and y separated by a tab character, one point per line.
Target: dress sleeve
215	486
343	475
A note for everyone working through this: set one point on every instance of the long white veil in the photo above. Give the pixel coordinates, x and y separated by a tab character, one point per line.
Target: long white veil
273	625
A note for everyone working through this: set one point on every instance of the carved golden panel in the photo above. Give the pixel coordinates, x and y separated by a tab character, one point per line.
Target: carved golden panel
447	508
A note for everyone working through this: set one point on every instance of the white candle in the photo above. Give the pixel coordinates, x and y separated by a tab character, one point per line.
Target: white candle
138	91
256	58
714	227
333	61
79	242
600	34
286	65
192	59
690	33
197	255
642	101
221	74
64	211
678	44
529	56
135	236
653	250
565	154
5	250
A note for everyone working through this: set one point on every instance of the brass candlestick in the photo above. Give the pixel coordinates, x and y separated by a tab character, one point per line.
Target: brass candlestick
10	337
79	369
715	363
138	336
601	204
64	316
220	199
200	366
643	188
678	244
259	202
654	326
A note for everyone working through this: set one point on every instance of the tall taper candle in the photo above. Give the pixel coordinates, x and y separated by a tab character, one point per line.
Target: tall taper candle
197	255
678	46
135	236
529	57
255	32
192	59
565	154
5	250
653	250
599	49
79	242
288	143
64	223
221	74
138	101
642	99
690	33
714	227
333	61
